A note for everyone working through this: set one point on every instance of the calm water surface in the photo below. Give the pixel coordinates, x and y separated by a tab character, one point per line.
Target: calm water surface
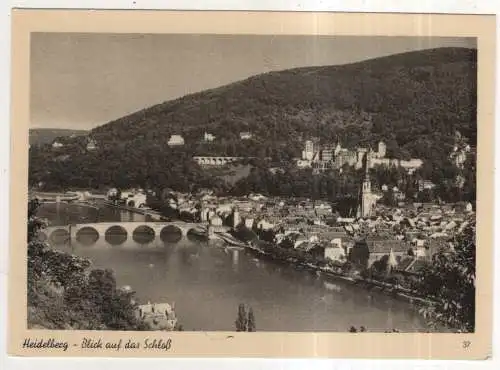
207	282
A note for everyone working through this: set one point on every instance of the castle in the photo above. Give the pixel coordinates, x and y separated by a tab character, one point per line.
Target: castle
324	157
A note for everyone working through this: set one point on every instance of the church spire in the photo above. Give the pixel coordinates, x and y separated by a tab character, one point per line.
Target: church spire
366	197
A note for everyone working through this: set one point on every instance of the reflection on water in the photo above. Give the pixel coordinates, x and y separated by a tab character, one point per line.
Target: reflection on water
207	281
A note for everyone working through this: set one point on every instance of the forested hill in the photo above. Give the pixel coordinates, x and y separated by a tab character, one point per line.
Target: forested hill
415	101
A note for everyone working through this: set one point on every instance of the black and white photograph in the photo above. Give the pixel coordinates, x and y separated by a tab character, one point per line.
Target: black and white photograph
252	183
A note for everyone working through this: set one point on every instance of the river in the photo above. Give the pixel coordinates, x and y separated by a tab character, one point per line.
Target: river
207	283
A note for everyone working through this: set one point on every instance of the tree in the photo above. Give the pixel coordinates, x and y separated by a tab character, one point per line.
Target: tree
241	322
245	321
251	321
450	280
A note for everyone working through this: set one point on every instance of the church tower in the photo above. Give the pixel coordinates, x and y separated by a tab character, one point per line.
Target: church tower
366	192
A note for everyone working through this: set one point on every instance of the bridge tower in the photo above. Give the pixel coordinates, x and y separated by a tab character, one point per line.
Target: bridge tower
203	214
236	218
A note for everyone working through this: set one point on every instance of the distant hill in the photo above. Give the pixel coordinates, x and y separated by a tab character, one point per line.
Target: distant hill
413	101
40	136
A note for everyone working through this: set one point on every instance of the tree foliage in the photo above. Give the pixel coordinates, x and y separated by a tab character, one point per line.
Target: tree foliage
64	293
451	279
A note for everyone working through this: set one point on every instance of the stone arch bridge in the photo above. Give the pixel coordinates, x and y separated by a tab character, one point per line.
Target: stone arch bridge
119	232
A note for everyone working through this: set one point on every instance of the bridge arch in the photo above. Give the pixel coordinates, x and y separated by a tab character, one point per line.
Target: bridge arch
194	235
42	236
171	234
143	234
116	235
59	236
87	235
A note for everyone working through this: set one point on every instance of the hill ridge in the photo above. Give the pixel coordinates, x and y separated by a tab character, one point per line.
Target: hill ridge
312	69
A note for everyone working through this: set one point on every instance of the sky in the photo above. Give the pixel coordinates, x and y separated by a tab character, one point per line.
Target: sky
80	81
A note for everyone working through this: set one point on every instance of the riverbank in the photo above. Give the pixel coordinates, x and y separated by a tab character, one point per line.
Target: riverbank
155	215
337	274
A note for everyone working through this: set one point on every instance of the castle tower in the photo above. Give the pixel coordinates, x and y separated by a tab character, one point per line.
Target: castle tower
308	152
382	149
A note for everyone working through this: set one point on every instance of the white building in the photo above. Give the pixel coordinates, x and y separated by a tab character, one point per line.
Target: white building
208	137
249	222
216	221
175	140
334	251
137	200
91	145
112	193
56	144
264	225
412	165
245	135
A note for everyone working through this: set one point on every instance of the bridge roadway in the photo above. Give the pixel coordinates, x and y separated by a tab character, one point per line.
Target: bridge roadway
128	229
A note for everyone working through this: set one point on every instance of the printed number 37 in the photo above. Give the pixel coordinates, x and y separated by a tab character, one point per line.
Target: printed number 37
466	344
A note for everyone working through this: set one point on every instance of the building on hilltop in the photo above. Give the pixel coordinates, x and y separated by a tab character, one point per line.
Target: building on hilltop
245	135
56	144
175	140
91	144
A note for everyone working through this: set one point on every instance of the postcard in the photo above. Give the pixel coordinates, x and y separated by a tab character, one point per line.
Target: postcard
251	184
